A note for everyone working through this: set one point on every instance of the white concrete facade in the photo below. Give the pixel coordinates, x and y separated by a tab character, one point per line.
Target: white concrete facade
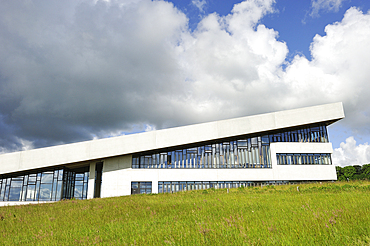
118	174
116	153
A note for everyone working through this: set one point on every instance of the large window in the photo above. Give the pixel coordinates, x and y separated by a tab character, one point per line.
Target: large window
241	152
309	134
50	185
303	159
141	187
176	186
169	187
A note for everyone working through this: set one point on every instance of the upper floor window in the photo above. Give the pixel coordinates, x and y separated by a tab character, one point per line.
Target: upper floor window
250	151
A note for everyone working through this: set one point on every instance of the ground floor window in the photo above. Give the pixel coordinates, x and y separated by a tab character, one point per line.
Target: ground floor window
141	187
303	159
47	185
174	186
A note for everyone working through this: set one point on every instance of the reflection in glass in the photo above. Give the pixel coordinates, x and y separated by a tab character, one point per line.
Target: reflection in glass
15	193
242	152
45	186
303	159
47	177
45	192
141	187
170	187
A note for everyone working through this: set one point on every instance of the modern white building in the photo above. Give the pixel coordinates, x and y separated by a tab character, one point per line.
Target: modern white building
278	147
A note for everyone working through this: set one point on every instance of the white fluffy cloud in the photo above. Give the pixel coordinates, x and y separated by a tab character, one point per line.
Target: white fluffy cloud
233	61
349	153
78	70
338	70
325	5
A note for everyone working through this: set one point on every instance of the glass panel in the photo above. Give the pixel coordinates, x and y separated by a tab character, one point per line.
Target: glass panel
15	191
79	183
134	185
47	177
30	196
45	192
32	178
59	191
78	191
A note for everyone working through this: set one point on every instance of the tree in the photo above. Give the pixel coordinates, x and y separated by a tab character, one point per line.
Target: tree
348	172
366	170
355	172
358	169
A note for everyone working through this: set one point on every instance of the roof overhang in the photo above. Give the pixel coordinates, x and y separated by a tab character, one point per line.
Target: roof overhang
161	139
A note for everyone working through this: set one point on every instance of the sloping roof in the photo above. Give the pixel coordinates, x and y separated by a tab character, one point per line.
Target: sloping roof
128	144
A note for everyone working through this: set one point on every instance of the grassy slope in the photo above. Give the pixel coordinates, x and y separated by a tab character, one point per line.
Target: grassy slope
319	214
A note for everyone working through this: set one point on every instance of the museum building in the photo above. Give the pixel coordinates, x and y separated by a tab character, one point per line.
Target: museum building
272	148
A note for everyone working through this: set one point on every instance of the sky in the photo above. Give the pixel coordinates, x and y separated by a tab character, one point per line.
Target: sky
78	70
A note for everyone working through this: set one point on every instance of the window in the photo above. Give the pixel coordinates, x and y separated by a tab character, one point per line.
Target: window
241	152
50	185
141	187
303	159
174	186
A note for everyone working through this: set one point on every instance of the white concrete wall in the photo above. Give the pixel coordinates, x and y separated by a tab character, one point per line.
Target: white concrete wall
104	148
118	174
308	148
302	172
91	184
4	204
113	182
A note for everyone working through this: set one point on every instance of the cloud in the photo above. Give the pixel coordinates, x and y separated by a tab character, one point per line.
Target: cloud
79	70
349	153
200	4
324	5
149	128
232	60
338	70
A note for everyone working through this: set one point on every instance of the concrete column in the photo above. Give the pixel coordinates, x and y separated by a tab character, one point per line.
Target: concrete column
91	185
154	186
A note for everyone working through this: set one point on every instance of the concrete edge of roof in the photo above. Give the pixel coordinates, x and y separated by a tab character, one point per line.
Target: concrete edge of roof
177	136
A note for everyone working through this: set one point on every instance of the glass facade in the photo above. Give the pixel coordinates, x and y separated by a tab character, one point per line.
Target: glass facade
303	159
309	134
141	187
241	152
50	185
170	187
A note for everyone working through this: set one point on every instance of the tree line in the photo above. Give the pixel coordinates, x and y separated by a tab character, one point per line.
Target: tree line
355	172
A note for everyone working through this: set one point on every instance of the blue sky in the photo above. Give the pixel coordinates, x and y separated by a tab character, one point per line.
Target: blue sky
297	23
294	20
77	70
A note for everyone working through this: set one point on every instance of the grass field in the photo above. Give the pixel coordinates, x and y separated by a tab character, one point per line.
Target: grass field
317	214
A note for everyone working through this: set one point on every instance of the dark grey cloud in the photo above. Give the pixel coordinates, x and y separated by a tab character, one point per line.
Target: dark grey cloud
77	70
69	71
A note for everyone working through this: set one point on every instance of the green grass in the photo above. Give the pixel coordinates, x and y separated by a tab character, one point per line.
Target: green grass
319	214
